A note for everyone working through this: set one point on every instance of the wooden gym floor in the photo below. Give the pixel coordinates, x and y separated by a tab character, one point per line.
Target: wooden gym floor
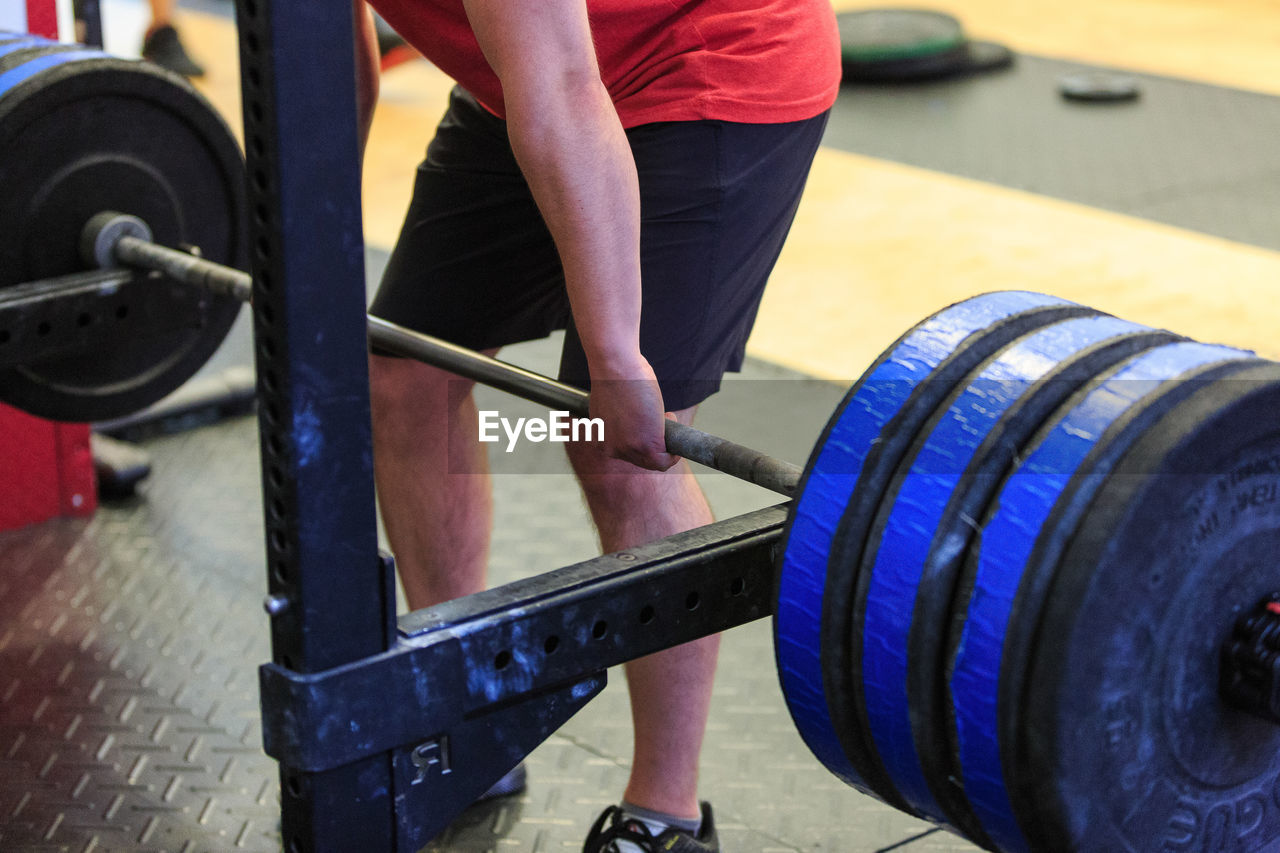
147	737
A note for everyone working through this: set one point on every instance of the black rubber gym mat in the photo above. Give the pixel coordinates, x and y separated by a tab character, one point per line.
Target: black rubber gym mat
1186	154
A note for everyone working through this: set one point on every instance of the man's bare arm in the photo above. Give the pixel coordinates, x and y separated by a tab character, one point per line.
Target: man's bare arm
570	144
367	68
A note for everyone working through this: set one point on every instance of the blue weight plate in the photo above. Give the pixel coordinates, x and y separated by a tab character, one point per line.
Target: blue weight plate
82	132
17	41
1100	343
876	469
1132	747
1017	523
12	35
860	443
22	64
897	547
16	56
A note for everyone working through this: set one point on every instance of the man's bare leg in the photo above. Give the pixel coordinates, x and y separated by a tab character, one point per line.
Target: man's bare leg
437	509
670	690
432	475
161	14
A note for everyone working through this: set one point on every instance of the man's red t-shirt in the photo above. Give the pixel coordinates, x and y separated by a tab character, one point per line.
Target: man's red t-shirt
753	61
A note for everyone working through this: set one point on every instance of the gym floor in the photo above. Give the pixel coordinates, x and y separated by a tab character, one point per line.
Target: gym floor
128	642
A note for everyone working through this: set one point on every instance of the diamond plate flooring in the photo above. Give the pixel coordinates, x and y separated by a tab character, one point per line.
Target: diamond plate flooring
129	644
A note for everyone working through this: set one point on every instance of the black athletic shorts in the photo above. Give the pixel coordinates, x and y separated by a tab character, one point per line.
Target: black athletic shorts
475	264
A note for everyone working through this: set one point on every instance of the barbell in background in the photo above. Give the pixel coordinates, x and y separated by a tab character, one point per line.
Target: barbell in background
1028	587
82	132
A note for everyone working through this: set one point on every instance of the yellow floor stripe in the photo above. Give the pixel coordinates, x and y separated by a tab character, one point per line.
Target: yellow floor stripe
1225	42
878	246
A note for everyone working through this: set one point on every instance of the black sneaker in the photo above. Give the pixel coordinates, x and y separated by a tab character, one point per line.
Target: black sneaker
611	827
164	48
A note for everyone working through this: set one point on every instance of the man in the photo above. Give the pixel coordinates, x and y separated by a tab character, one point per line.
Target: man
627	169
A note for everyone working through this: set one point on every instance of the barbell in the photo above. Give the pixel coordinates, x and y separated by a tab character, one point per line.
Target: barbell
1027	588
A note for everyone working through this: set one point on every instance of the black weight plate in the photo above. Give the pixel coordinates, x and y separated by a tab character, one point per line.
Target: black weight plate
886	35
81	132
1099	343
853	460
986	56
1123	741
892	562
932	66
969	58
1000	591
1098	87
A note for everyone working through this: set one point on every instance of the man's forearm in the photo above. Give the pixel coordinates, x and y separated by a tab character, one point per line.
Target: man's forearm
571	147
575	155
569	141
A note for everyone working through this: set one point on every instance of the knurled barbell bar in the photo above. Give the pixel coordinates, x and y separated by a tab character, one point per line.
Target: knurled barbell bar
112	238
1027	589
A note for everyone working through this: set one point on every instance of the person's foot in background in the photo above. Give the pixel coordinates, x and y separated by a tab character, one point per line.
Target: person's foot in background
164	47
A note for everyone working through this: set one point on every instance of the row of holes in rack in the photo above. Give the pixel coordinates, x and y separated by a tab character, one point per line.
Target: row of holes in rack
83	320
647	615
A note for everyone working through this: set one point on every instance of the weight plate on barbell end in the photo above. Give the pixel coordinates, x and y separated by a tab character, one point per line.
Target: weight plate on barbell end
17	41
1085	347
996	605
82	132
889	559
1123	740
9	36
861	497
858	446
17	58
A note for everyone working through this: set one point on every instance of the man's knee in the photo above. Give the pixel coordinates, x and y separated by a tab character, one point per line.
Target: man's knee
391	378
406	385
